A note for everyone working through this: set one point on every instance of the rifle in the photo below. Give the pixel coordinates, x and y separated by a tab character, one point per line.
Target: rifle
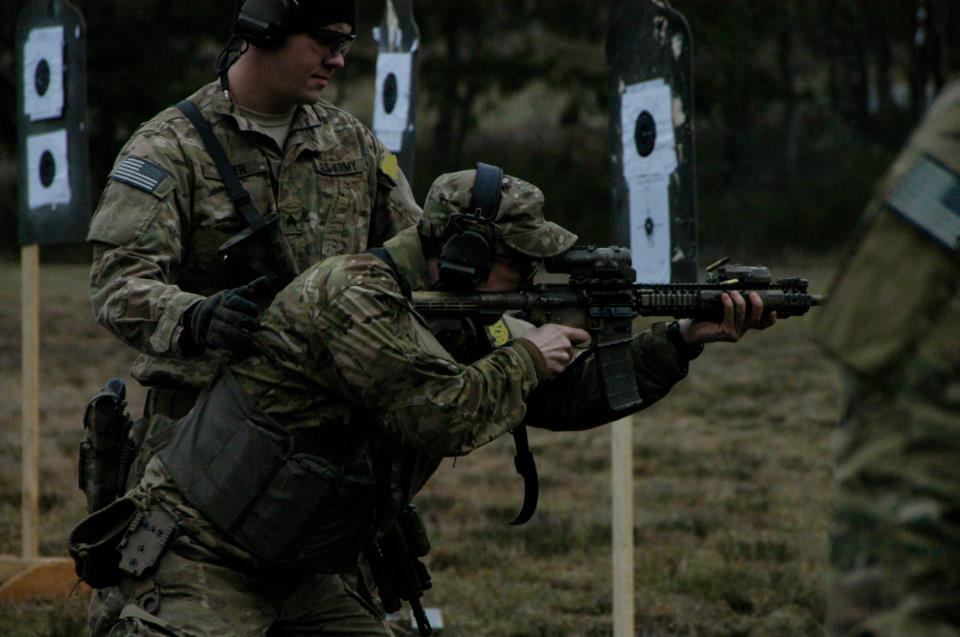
397	569
603	297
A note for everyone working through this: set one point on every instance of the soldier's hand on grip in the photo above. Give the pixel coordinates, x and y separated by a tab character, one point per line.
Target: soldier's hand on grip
227	319
738	317
556	343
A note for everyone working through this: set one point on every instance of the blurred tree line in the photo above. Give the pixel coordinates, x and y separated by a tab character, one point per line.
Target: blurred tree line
800	105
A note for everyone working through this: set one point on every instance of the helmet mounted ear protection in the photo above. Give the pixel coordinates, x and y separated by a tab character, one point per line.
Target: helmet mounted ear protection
264	23
470	236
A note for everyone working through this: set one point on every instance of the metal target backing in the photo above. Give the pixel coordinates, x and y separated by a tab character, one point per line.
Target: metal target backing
651	138
54	198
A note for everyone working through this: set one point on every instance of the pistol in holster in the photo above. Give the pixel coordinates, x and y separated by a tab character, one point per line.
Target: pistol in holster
107	451
260	250
397	569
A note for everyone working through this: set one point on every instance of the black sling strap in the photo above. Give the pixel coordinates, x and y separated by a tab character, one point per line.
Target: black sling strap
240	197
384	256
527	468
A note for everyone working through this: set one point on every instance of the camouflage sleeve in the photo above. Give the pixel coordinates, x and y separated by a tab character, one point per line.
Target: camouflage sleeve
389	363
137	233
394	206
575	399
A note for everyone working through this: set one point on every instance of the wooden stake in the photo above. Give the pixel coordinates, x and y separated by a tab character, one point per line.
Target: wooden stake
30	400
621	453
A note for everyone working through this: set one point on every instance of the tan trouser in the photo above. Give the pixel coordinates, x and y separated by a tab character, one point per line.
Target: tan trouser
188	598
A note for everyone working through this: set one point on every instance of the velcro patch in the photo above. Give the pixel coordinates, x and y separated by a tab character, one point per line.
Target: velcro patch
929	197
498	333
389	166
140	173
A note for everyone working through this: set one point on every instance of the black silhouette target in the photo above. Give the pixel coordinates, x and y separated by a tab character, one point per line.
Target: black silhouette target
48	168
390	91
41	78
645	134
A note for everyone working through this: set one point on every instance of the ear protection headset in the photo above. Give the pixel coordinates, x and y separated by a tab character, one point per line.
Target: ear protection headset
470	236
264	23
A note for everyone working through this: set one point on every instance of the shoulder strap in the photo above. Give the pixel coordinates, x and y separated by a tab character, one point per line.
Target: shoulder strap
240	197
384	256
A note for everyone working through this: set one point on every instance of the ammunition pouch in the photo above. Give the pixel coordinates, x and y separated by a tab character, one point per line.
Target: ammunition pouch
94	543
296	512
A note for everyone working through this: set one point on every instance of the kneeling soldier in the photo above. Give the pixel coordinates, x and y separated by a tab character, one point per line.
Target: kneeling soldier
295	459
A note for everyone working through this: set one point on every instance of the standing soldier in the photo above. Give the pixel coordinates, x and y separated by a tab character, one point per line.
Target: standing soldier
157	280
893	324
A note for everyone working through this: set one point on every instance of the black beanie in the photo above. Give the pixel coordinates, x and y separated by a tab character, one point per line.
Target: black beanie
315	14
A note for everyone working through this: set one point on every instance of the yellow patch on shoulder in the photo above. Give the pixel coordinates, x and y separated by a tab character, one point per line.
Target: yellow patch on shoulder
389	166
499	333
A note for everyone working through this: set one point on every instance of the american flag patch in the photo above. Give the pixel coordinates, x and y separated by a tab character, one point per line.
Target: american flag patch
140	173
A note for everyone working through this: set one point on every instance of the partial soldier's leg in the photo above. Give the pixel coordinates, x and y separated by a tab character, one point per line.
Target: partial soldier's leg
895	542
197	599
329	605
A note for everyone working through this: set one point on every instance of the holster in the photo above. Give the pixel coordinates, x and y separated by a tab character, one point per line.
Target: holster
107	450
119	539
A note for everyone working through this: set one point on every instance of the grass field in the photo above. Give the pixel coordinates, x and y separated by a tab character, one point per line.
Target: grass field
731	481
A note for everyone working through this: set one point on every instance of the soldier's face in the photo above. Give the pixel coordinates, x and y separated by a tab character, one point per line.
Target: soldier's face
507	275
304	66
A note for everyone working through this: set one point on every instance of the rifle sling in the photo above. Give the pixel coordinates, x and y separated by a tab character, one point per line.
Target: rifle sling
527	468
238	195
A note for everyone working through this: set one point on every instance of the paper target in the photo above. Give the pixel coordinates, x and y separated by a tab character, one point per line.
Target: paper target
43	74
391	114
649	160
48	180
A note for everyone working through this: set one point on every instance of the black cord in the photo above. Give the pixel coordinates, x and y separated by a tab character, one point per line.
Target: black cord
227	57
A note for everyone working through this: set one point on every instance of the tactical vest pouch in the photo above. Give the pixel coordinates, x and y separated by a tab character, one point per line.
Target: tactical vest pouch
236	464
94	543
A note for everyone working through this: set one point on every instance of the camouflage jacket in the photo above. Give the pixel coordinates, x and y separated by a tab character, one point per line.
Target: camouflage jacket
165	211
357	377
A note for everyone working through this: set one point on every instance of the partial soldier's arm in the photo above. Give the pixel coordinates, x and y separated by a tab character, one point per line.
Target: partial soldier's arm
576	399
394	207
391	366
138	239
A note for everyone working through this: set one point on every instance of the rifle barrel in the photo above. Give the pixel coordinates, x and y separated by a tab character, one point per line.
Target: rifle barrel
685	300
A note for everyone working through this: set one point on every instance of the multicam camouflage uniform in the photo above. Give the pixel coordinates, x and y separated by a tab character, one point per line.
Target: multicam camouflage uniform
893	323
295	458
156	231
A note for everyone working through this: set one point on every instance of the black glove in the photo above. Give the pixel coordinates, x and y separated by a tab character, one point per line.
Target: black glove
225	320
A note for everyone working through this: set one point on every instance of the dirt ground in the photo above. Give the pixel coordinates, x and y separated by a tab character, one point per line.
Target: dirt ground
731	483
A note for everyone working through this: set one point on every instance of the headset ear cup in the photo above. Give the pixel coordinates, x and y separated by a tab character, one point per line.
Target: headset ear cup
263	22
465	260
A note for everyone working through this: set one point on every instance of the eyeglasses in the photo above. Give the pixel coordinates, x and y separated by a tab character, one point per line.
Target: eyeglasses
336	42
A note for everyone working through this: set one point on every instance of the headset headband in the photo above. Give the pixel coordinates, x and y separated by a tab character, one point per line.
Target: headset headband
485	200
